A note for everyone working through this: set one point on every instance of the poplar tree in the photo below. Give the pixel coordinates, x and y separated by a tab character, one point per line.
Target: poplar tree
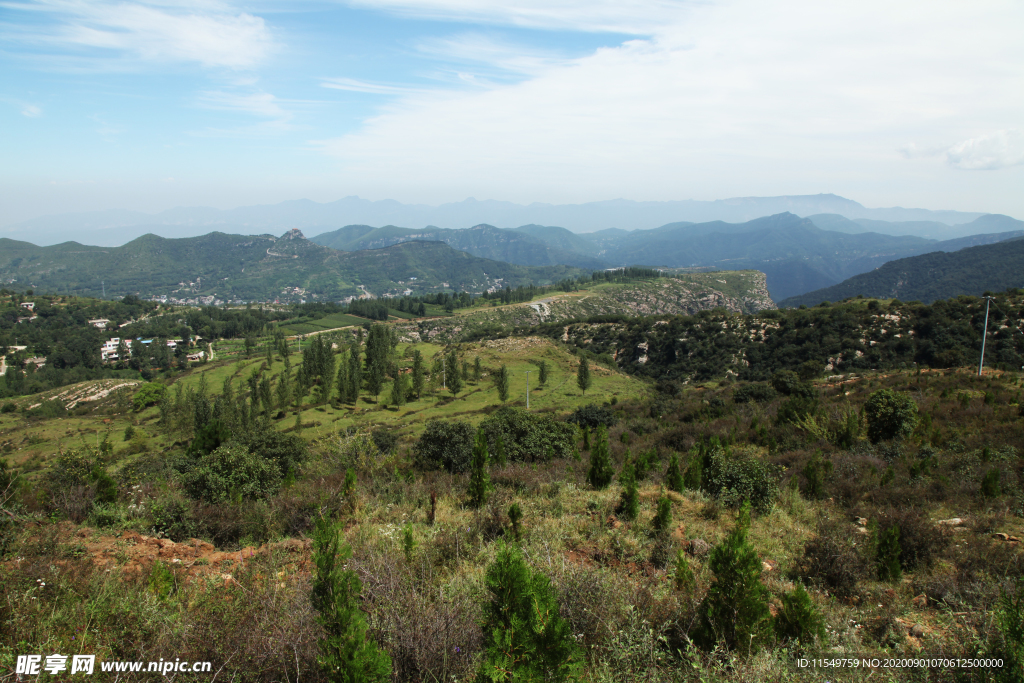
501	383
355	373
417	373
342	380
583	379
454	378
398	390
477	369
673	476
543	371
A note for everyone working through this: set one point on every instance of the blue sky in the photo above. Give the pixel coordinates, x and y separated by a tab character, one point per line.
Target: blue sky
155	104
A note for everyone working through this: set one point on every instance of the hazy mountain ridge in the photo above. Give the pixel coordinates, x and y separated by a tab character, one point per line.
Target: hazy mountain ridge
105	227
932	276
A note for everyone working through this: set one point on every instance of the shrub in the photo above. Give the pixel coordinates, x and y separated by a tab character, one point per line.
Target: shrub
445	444
161	580
890	415
287	451
9	407
629	501
735	609
515	515
385	439
919	540
734	479
798	619
673	477
150	394
593	416
600	473
756	393
815	472
479	480
990	484
209	438
347	655
231	472
1009	644
887	554
795	409
788	383
525	638
831	561
527	437
171	515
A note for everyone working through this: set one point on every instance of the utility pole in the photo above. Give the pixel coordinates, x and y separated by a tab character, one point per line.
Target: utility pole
444	374
528	389
984	334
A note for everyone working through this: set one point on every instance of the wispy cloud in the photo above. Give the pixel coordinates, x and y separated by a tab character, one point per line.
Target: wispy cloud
989	152
496	55
354	85
31	111
638	17
209	33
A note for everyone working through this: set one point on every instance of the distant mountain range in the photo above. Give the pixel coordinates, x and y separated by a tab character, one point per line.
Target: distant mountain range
932	276
258	268
116	227
795	253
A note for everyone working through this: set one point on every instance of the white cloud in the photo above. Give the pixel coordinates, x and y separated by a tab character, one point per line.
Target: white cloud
354	85
209	33
733	97
619	16
31	111
999	149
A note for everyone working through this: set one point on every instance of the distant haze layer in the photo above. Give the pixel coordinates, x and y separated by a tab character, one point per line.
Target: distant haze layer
116	227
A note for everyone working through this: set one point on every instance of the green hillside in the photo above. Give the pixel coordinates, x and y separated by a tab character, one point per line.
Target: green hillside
485	241
260	267
929	277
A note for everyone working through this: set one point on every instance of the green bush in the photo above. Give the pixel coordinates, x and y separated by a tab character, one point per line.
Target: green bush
683	578
593	416
445	444
735	609
798	619
386	439
9	407
347	655
815	472
230	473
525	638
794	409
527	437
756	393
734	479
171	515
890	415
150	394
788	383
287	451
1008	643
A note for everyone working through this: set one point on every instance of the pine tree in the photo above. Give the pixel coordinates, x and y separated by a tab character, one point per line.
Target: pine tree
378	358
417	373
673	477
629	502
342	380
798	619
543	372
600	473
525	638
347	655
479	479
501	383
684	579
284	389
735	609
583	379
465	370
477	369
454	378
888	554
663	518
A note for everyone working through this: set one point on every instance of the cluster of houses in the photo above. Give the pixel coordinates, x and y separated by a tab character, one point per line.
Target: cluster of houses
110	351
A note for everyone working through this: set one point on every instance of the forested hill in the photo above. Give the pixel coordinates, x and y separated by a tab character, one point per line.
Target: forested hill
486	241
929	277
857	335
261	267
